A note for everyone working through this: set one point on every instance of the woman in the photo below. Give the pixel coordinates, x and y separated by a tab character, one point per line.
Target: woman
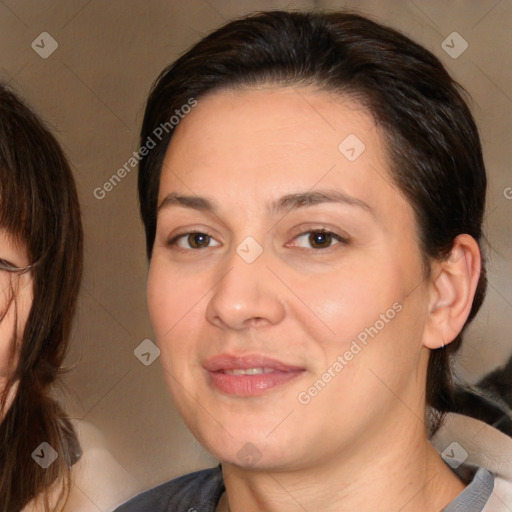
313	226
47	462
41	268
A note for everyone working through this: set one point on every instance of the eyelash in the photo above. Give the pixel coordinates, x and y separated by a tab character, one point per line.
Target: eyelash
9	267
344	241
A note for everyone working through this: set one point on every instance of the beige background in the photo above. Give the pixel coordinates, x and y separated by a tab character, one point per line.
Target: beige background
92	91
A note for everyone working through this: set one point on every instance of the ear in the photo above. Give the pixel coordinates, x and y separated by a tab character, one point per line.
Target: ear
451	291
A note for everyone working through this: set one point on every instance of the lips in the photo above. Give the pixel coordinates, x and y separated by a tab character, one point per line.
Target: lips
230	362
248	375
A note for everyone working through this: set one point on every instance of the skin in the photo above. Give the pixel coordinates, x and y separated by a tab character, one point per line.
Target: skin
15	254
360	443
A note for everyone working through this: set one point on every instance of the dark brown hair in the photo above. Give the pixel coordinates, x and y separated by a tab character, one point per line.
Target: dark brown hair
434	150
39	209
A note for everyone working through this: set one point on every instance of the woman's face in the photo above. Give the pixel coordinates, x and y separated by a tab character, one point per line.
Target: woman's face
21	287
283	346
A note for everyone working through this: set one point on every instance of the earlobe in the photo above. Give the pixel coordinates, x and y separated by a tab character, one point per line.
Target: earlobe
452	289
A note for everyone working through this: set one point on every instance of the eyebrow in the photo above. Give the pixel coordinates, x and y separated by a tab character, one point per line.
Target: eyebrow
287	202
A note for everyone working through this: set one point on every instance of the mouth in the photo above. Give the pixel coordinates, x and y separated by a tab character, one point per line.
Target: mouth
249	375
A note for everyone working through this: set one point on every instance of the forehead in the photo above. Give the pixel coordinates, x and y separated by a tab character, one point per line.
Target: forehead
268	123
277	140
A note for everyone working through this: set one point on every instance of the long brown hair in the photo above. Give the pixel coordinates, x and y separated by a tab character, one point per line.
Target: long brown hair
39	209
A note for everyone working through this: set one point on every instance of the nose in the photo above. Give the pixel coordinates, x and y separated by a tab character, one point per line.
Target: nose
248	295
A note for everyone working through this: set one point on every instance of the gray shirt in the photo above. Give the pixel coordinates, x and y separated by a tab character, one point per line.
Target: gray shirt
201	492
480	484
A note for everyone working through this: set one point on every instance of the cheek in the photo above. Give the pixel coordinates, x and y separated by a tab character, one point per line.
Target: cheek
5	333
5	343
174	305
21	310
164	294
24	304
368	316
6	336
347	301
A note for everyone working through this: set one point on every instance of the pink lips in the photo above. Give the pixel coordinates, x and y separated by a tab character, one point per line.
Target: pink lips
276	373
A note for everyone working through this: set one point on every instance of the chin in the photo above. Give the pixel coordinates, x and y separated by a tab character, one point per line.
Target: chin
246	449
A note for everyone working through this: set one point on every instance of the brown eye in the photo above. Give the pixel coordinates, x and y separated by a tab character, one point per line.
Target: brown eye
192	240
198	240
320	239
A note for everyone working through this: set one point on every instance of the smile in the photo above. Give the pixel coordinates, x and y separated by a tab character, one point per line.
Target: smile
248	375
250	371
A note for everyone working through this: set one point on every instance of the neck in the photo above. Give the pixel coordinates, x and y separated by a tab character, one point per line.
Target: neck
406	475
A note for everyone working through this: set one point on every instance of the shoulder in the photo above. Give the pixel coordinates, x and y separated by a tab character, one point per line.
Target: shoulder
474	442
200	490
482	444
97	479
